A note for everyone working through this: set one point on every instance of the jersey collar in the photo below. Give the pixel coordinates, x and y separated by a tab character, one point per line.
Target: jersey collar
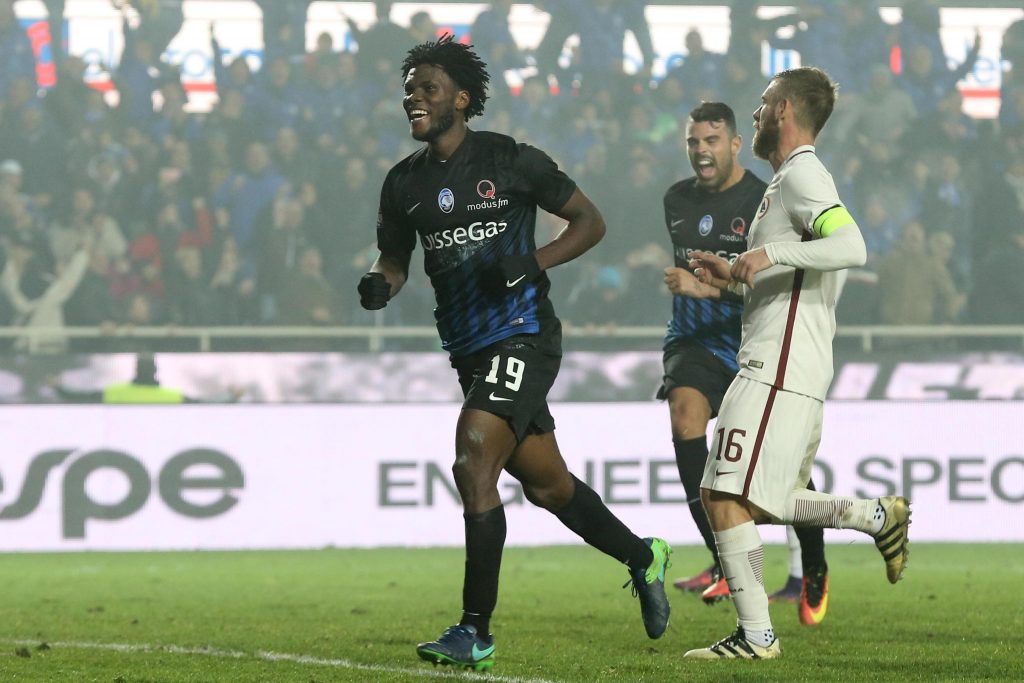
799	150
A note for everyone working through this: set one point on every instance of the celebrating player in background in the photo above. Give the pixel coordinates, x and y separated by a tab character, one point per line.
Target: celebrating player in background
711	212
470	198
769	425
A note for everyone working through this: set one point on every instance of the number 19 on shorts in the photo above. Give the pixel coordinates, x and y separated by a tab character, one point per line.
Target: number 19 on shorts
513	371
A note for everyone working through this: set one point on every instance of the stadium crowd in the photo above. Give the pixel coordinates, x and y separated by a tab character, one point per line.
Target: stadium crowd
262	210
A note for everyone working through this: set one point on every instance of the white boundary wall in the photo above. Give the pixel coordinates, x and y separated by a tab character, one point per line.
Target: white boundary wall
373	475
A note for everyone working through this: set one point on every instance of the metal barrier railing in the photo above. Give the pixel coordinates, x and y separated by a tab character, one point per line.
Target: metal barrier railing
33	340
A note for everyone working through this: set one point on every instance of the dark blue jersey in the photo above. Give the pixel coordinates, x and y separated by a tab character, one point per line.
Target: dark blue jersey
715	222
468	212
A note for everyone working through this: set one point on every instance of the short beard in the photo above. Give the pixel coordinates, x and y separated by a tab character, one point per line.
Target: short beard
434	132
765	142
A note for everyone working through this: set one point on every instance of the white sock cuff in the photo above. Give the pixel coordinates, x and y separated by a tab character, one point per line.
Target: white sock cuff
738	539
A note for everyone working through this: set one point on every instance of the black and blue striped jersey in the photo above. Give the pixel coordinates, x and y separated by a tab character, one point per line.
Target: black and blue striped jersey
468	212
717	222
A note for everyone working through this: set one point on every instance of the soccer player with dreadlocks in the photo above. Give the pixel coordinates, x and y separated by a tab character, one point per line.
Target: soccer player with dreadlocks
470	199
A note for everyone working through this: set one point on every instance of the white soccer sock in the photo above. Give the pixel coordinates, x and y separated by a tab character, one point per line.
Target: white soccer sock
796	560
814	508
742	555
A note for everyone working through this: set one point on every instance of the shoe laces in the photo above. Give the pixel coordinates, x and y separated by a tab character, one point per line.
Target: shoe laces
739	635
456	632
631	582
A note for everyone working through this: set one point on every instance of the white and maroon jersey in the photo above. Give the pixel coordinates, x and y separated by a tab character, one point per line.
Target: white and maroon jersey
789	316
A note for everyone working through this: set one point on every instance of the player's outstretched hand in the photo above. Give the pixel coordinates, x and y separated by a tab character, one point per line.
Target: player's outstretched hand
749	264
509	275
684	283
711	269
374	291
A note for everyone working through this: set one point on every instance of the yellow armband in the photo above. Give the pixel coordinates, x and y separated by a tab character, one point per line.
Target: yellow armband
831	220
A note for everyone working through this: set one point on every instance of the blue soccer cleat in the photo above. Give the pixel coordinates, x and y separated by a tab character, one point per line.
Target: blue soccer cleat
459	646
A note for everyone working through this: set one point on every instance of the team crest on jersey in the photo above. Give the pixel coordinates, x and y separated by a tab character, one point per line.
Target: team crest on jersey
739	226
705	225
486	189
763	209
446	200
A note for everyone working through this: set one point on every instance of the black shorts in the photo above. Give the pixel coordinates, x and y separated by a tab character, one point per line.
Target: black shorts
511	379
688	364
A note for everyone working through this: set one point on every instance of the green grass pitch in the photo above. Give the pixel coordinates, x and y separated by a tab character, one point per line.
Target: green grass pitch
356	615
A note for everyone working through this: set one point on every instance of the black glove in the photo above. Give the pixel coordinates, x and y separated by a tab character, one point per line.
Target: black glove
374	291
510	274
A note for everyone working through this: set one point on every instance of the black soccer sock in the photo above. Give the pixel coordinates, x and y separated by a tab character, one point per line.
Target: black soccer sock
588	517
485	538
812	544
691	455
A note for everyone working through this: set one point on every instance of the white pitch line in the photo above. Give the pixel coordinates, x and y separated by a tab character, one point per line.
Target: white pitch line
265	656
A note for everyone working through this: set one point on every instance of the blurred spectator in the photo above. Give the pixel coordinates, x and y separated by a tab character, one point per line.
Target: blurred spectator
281	243
233	121
882	115
928	82
816	32
324	106
602	299
237	75
39	146
422	28
881	231
16	58
865	44
307	298
64	101
39	302
1011	91
92	303
172	121
284	28
916	288
275	100
159	20
190	300
493	39
999	288
700	72
948	207
999	211
139	74
244	195
602	26
80	224
233	289
381	44
548	53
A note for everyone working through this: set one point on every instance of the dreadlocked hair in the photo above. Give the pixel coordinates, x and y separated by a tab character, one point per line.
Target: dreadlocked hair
460	63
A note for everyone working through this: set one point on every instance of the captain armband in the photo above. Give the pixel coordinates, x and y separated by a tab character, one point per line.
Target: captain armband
831	220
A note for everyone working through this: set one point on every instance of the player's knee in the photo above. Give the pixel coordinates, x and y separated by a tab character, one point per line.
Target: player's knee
689	421
553	497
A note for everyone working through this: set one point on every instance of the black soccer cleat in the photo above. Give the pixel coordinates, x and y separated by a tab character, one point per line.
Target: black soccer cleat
649	585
